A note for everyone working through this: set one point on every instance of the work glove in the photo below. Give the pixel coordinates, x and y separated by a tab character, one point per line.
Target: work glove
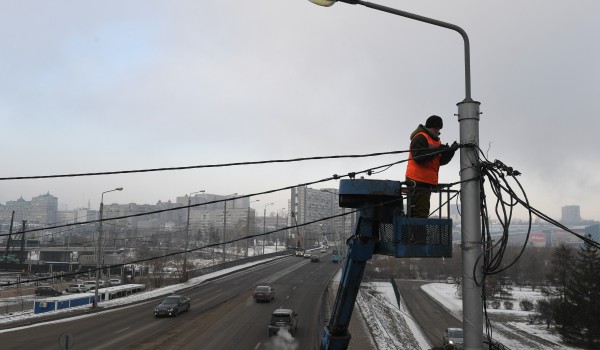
454	146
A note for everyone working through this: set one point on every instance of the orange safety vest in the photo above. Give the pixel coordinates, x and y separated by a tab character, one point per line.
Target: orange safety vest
428	172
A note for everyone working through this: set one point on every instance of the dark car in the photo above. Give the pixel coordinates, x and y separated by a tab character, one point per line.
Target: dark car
453	338
172	306
283	319
264	293
47	292
314	258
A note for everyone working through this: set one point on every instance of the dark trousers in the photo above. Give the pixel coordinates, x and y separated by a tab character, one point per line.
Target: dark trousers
420	199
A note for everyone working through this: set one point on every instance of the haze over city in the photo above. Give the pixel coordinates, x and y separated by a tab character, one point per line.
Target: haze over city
110	86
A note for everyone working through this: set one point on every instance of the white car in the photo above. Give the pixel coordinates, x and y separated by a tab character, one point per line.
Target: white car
91	285
77	288
114	282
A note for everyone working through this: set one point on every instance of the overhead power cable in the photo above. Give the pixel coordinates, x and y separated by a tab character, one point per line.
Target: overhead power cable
191	250
201	166
368	171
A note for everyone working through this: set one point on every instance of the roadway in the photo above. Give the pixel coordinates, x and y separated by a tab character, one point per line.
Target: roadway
431	316
223	315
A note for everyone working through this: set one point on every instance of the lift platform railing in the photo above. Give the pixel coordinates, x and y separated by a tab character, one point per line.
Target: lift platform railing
397	234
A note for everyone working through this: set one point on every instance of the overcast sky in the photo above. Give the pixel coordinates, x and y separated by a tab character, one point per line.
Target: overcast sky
91	86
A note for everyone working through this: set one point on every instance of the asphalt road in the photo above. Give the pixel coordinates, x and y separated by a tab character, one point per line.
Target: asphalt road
431	317
223	315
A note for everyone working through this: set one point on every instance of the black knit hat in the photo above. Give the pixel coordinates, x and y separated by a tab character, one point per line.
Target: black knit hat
434	122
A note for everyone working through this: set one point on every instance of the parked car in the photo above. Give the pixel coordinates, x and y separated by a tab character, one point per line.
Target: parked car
314	258
47	291
114	282
453	338
450	280
77	288
172	306
90	285
285	319
264	293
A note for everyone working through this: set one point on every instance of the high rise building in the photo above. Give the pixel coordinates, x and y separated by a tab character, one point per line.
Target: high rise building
571	215
310	205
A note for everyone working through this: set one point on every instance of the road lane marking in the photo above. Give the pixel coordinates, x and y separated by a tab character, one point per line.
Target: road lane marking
122	330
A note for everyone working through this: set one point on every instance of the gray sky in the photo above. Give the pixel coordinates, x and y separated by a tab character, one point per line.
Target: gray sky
122	85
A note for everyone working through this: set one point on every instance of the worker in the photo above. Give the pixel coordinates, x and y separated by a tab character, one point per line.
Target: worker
427	154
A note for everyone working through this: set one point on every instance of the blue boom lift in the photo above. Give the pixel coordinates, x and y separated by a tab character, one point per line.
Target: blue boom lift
381	228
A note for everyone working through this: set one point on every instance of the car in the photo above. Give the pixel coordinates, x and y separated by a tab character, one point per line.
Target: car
264	293
323	250
307	256
46	291
77	288
90	285
114	282
453	338
283	319
314	258
450	280
172	306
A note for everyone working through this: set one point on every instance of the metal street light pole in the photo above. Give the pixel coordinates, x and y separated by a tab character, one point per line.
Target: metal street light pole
277	227
265	226
468	117
98	244
187	234
225	223
248	227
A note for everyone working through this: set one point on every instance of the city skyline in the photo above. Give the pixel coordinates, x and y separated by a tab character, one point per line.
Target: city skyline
570	212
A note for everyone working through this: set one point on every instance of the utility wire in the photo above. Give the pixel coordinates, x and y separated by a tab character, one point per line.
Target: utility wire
201	166
191	250
333	177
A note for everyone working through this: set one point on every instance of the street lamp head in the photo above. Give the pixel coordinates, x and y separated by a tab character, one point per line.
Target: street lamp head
325	3
201	191
119	189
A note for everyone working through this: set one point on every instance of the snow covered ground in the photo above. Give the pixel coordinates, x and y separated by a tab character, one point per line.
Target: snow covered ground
393	328
517	334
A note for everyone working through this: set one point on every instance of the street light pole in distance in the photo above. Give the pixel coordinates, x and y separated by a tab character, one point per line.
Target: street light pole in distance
95	303
265	226
277	227
187	235
225	223
248	227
